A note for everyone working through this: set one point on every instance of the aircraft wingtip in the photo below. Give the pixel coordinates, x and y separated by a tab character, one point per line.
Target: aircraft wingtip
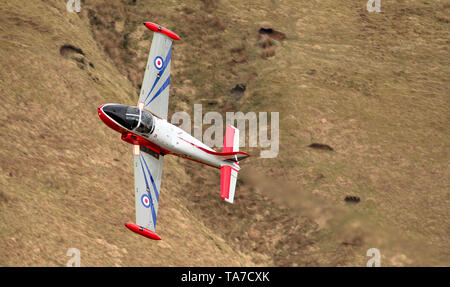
159	29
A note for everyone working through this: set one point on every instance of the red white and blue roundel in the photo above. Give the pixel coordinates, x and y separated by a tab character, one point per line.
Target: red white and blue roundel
158	62
145	201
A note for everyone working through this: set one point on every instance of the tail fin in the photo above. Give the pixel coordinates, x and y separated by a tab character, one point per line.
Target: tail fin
228	174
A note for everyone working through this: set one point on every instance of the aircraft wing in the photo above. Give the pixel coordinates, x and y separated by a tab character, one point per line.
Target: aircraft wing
155	86
147	181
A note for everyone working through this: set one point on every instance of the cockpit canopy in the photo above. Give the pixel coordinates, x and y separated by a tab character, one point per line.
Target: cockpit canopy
131	118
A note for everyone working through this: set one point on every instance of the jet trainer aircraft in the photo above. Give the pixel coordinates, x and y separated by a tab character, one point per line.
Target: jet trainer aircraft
145	126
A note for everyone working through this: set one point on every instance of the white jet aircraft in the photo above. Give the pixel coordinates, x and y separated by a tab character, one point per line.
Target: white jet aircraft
146	127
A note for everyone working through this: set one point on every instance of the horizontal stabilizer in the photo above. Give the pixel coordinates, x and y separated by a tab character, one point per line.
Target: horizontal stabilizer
235	156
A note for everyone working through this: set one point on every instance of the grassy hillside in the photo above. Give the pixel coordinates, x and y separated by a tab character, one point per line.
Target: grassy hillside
371	86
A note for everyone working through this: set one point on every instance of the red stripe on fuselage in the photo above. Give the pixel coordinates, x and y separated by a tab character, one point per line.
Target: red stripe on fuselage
182	156
229	139
142	231
225	178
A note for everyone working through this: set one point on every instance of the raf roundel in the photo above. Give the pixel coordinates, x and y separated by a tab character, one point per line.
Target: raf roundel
145	201
158	63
